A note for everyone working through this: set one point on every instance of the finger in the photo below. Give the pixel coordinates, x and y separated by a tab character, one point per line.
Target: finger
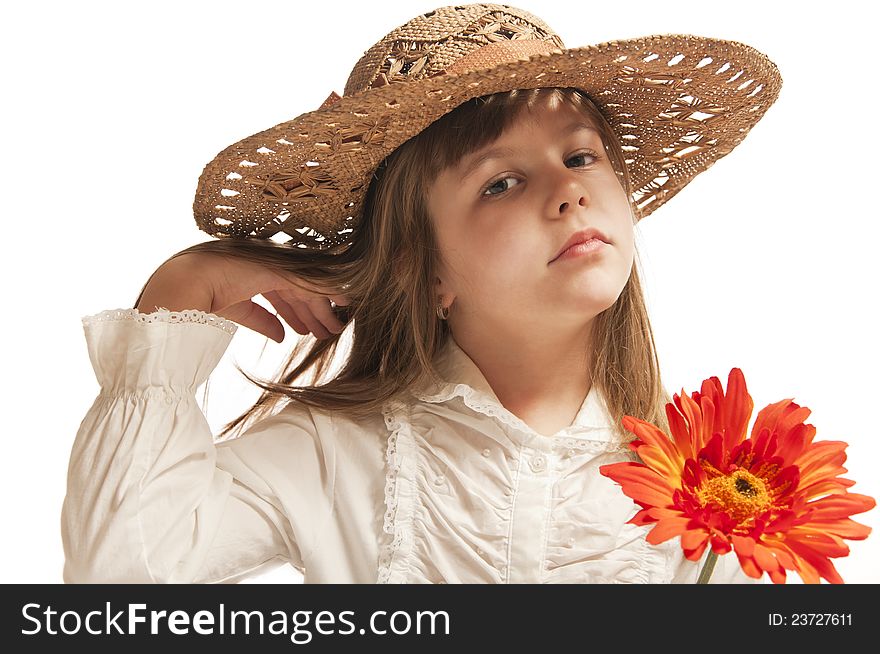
308	312
304	312
340	300
322	311
286	311
301	313
244	280
301	288
298	286
253	316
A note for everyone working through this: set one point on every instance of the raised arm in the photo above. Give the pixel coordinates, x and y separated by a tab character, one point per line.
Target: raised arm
151	497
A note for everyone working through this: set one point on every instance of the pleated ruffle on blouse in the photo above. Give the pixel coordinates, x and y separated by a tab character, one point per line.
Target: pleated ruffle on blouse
468	501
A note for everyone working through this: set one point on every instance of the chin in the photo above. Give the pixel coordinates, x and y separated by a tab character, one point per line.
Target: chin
598	297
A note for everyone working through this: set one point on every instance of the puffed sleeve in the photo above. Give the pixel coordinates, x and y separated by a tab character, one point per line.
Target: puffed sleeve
151	497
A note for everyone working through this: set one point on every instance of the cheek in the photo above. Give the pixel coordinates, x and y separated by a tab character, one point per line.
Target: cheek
625	251
483	269
627	241
508	256
483	260
624	229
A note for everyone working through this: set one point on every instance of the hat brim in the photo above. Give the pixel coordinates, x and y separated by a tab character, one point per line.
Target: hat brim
678	103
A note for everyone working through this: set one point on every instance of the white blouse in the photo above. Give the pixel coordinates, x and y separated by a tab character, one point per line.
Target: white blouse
449	487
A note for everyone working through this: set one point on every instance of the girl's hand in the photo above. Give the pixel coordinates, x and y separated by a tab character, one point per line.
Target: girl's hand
224	286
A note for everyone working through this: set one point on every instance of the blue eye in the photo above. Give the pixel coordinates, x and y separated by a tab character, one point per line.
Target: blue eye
496	185
499	183
582	155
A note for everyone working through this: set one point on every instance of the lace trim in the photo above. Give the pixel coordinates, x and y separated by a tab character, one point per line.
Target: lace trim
481	403
391	525
164	315
477	401
613	444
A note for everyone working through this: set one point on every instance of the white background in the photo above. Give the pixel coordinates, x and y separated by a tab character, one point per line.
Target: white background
767	261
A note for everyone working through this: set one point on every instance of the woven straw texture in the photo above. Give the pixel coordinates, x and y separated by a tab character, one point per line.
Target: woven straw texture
678	103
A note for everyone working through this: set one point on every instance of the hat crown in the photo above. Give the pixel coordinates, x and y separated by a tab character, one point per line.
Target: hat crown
676	102
432	43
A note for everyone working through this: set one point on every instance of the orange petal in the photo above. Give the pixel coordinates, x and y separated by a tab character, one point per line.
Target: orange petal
665	460
840	506
844	528
793	416
795	441
801	540
645	431
780	417
643	517
824	487
692	538
807	572
825	568
749	566
694	417
815	564
696	553
638	478
720	542
784	555
707	407
821	459
764	558
745	549
738	407
668	528
679	430
743	545
778	576
658	513
646	495
763	445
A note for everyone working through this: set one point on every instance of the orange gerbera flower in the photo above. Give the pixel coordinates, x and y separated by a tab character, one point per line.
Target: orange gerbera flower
775	498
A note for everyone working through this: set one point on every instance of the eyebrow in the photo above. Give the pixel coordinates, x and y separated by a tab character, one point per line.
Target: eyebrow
500	152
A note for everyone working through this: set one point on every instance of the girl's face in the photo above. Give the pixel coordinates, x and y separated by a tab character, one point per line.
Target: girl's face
504	212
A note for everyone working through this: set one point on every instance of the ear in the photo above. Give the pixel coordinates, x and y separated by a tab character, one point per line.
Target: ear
446	296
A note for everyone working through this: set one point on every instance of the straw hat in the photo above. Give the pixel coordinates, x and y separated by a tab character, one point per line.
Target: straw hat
678	103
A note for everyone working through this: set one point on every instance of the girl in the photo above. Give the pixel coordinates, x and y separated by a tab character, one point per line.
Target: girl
466	210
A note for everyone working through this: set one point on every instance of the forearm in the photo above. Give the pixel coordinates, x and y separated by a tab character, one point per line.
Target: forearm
171	287
143	491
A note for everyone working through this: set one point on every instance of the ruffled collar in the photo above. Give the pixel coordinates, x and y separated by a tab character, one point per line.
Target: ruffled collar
462	378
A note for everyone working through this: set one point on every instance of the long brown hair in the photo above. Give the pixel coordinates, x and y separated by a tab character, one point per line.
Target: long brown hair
388	270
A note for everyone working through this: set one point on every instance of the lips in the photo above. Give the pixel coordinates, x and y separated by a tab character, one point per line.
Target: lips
581	237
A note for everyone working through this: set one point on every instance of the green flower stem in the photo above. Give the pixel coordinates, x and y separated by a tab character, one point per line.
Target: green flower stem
708	567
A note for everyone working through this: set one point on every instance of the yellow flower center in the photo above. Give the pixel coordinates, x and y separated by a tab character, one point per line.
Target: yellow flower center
741	495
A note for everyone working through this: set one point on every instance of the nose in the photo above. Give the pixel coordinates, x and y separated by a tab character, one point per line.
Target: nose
568	194
582	201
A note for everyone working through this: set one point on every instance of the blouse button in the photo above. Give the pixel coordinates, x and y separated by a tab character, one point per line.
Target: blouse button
508	492
438	480
486	452
538	463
